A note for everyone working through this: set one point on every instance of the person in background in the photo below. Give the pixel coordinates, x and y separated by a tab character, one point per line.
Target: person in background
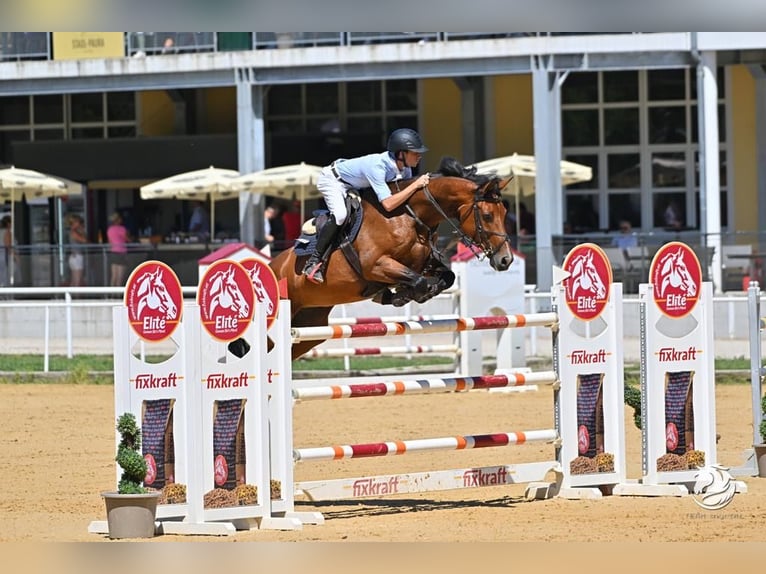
199	223
117	236
526	220
626	237
268	215
77	240
672	216
7	251
291	220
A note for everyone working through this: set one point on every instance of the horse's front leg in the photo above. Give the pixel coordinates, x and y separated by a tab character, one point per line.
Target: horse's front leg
409	283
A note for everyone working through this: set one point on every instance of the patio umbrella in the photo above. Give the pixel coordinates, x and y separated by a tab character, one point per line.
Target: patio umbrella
213	183
297	182
17	183
524	170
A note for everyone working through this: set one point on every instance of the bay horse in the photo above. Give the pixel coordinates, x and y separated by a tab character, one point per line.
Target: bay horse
398	260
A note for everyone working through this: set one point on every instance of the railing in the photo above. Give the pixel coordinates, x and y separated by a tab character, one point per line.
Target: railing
17	46
82	312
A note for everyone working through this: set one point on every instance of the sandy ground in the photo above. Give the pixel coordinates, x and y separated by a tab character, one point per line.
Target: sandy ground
58	451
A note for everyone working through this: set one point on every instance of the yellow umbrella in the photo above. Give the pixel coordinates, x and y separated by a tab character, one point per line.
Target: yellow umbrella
17	183
524	170
214	183
296	181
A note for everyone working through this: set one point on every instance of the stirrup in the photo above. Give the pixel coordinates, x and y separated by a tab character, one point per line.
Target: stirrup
315	274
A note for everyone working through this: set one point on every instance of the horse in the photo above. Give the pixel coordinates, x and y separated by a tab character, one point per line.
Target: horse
675	273
154	294
397	257
225	292
585	276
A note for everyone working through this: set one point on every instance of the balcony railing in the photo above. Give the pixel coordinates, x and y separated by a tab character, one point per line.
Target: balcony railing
18	46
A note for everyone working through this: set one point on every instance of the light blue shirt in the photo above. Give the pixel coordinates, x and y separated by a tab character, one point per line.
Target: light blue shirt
374	170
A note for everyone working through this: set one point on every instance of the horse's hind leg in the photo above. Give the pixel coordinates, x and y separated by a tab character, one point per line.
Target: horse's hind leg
308	317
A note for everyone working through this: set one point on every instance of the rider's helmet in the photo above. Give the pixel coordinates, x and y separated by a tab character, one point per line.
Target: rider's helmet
405	139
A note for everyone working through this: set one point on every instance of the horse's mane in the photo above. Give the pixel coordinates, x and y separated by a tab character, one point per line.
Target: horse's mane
452	167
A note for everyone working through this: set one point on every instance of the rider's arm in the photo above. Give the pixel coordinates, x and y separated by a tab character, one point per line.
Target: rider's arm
392	202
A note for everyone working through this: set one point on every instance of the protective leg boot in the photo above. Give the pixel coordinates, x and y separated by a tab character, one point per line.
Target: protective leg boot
313	268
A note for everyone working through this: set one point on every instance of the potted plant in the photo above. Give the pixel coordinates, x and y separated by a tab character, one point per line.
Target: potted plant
132	509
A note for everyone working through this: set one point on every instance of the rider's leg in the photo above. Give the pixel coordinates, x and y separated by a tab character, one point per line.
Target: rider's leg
334	194
313	268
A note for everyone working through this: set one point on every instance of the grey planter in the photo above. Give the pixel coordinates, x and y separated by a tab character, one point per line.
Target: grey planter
131	515
760	459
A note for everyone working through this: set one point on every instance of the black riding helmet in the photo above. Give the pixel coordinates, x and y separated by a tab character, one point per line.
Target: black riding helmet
405	139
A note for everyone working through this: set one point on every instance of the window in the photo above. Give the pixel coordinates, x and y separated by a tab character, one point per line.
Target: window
318	123
638	129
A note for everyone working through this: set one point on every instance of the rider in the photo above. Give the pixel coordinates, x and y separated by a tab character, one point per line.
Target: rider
403	152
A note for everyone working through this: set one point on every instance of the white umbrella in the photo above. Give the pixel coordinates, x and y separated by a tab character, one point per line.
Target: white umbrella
214	183
296	181
524	170
17	183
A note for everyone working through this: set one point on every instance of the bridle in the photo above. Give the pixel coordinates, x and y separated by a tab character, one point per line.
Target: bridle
484	235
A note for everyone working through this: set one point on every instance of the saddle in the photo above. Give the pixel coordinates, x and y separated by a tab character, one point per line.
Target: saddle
304	245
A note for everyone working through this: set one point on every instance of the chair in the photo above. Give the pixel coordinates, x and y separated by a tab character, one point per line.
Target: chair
734	269
618	262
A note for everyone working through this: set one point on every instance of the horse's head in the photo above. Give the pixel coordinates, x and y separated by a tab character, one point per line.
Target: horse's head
585	276
226	293
154	294
260	291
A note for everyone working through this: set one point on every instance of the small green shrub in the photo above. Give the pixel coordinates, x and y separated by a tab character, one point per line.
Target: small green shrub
129	456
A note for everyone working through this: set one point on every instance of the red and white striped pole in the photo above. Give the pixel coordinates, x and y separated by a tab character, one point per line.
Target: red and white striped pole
422	327
423	386
338	452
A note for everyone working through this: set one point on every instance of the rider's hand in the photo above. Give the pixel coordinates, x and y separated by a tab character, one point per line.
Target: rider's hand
423	180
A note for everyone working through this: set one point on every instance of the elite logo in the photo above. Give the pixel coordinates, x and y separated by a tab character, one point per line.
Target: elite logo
154	300
676	278
226	299
265	286
587	287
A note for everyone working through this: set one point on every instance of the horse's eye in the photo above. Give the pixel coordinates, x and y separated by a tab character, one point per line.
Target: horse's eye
487	216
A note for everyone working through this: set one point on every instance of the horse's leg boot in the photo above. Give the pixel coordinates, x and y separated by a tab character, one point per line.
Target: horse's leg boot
313	268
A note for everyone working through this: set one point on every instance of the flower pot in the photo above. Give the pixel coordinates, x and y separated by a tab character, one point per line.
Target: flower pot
131	515
760	459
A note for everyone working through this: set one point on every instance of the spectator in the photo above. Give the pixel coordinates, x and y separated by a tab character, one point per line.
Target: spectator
117	235
273	228
626	237
7	251
291	220
672	216
77	241
526	220
199	224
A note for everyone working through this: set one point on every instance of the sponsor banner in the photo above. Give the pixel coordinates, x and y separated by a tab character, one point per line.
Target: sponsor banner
226	299
154	300
676	278
589	282
265	286
83	45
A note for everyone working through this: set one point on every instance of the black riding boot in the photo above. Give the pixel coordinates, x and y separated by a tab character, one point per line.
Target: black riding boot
313	268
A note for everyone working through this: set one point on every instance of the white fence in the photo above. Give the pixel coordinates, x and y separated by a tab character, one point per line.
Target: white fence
72	320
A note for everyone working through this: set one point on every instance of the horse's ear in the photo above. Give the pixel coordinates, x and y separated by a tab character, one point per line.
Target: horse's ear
503	183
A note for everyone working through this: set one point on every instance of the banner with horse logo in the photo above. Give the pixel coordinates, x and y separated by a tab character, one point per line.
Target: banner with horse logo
154	300
589	281
676	276
226	299
265	286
